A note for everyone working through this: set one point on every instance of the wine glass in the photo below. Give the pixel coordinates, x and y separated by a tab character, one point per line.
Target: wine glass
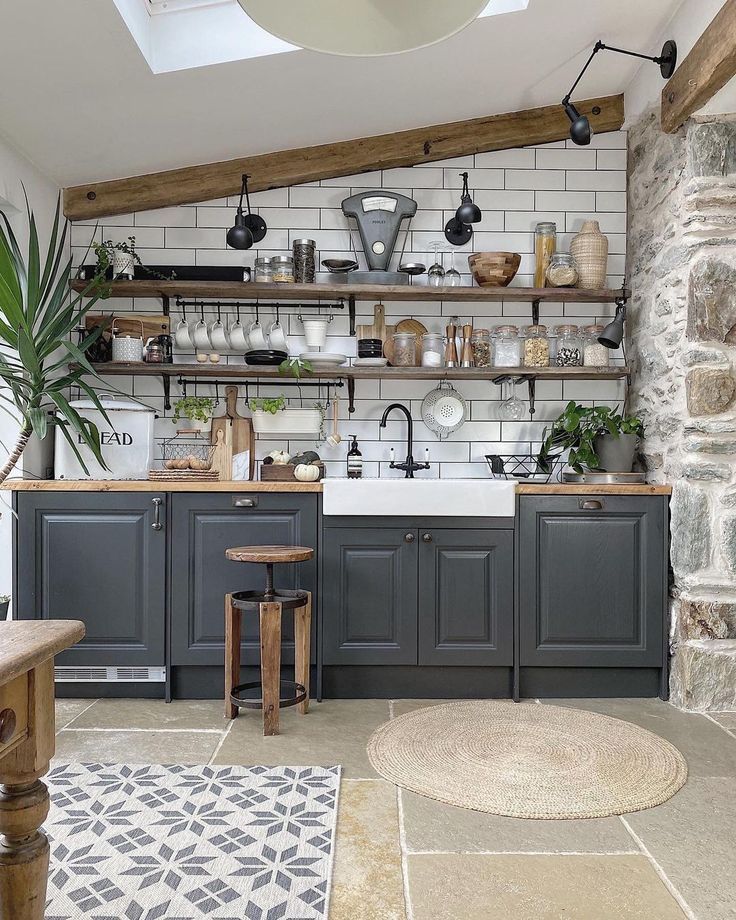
436	271
512	409
453	277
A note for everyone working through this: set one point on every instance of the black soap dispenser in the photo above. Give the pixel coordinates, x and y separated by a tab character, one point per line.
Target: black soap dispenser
355	460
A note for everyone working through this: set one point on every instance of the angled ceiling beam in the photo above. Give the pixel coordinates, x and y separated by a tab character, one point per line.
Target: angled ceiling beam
708	68
328	161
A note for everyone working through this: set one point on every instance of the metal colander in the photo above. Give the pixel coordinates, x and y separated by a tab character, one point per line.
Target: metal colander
443	410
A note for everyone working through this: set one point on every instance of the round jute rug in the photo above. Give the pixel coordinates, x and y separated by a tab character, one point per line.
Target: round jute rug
526	760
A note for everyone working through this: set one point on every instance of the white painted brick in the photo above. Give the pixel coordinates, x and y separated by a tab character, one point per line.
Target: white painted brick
477	178
609	180
610	201
566	158
564	201
612	159
167	217
413	178
551	179
522	158
195	238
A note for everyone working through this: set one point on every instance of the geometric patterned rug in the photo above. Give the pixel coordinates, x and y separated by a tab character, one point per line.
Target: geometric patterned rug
179	843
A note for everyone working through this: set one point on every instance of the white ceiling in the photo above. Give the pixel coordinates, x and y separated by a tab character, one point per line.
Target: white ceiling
78	98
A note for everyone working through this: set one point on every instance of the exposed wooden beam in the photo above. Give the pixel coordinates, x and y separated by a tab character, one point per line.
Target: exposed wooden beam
708	67
328	161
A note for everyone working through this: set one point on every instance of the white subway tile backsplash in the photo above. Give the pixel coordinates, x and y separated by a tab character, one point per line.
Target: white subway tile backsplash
426	177
610	201
477	178
303	196
501	200
195	238
607	180
548	179
611	159
564	201
169	217
527	220
521	158
566	158
364	180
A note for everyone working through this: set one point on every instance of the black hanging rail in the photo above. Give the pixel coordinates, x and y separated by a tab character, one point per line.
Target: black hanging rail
198	305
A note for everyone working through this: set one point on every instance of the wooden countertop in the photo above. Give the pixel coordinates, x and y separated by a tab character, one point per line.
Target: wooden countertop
572	488
24	644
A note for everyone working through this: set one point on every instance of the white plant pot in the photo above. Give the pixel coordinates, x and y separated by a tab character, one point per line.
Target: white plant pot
315	332
287	422
188	424
123	264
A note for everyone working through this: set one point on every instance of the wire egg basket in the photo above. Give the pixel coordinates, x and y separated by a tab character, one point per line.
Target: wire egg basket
190	451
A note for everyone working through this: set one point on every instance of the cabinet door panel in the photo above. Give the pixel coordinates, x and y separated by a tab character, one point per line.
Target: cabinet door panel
466	598
204	527
369	596
95	557
592	581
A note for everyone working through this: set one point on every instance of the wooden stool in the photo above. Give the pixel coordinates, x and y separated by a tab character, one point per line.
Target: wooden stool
269	603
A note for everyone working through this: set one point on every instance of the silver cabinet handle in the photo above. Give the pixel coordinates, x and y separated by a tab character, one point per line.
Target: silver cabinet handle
157	525
591	504
409	538
427	537
243	502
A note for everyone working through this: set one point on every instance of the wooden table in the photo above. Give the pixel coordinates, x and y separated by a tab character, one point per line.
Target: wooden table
27	652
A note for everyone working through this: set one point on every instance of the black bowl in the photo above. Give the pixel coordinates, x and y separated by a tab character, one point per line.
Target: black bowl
265	356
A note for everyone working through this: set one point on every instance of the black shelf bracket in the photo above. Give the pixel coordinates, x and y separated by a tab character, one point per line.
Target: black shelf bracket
351	395
535	311
351	309
166	380
166	303
532	387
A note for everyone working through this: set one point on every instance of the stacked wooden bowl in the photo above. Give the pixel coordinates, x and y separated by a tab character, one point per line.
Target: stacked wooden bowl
494	269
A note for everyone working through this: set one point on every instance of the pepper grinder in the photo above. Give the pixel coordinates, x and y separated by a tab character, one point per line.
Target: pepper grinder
467	353
451	359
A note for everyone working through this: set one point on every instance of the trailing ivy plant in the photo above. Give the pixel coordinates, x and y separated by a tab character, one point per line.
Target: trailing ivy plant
195	408
295	367
272	405
104	252
576	430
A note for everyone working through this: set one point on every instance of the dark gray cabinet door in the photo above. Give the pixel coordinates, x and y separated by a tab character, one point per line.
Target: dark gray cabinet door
96	557
466	597
592	580
369	596
204	525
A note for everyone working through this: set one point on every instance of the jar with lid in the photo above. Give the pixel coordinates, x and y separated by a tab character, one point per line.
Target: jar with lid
432	349
545	244
262	269
480	343
405	349
536	346
283	269
562	270
507	347
569	347
594	354
303	251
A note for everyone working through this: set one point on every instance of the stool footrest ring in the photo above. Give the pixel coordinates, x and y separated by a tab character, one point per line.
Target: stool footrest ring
299	691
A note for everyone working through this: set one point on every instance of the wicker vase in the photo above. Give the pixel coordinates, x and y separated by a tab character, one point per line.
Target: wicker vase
589	248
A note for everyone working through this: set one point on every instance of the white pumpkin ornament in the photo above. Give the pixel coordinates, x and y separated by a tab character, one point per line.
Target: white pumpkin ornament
306	472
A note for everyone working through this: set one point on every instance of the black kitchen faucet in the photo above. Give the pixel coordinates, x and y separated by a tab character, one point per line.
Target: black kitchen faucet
408	465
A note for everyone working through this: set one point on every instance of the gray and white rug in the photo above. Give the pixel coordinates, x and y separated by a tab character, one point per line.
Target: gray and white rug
182	843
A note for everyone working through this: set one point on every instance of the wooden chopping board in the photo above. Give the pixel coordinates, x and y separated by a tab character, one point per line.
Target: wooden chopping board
130	323
379	330
242	428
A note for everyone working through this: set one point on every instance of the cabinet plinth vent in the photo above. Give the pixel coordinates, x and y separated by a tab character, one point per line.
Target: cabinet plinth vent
110	675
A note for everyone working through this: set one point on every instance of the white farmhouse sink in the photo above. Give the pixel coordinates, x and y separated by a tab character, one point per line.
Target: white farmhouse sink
419	497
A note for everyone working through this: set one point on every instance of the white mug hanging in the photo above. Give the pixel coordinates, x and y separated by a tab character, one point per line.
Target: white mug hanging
182	337
201	335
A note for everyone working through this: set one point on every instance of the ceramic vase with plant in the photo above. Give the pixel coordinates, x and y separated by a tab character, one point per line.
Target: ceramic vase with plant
197	410
596	438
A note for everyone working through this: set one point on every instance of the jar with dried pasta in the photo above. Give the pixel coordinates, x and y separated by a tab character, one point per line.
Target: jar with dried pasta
536	346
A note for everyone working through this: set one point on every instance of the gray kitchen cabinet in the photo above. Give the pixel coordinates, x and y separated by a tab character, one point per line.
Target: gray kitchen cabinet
369	595
205	525
592	580
99	557
466	597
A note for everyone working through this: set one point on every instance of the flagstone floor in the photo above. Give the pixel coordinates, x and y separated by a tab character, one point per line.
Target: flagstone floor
404	857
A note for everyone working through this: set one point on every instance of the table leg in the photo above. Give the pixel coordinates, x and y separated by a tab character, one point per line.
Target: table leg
271	666
24	850
302	648
232	654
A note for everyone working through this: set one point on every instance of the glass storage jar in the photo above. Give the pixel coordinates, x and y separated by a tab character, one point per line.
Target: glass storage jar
480	343
405	349
262	269
507	347
433	349
545	244
594	354
303	252
562	270
536	346
283	269
569	347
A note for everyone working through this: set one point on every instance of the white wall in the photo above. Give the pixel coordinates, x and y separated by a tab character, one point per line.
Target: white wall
514	188
15	172
688	23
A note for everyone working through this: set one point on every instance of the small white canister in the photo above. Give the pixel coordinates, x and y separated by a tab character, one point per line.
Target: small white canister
126	347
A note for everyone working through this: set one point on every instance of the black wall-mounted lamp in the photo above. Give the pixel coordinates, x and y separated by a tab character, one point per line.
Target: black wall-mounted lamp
613	334
248	228
458	230
580	130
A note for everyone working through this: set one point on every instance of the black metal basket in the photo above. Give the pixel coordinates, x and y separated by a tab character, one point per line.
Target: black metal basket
524	466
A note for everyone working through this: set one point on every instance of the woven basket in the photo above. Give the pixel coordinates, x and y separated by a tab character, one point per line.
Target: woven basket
589	249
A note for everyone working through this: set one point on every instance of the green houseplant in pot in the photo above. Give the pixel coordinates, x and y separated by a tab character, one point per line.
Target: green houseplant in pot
38	313
197	410
597	438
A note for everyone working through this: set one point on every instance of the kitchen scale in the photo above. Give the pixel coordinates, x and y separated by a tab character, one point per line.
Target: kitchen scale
378	215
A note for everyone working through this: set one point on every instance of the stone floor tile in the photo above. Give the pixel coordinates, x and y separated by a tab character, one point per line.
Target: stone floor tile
367	879
453	887
333	732
155	715
726	719
68	710
432	826
135	747
692	838
709	751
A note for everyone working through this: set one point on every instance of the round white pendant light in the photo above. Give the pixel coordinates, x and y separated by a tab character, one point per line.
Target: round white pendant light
363	27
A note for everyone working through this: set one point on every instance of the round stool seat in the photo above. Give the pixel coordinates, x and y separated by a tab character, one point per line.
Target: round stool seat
269	554
252	600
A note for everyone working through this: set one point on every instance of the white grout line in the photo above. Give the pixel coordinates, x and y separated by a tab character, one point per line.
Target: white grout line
67	724
710	718
523	853
404	853
220	743
156	731
659	870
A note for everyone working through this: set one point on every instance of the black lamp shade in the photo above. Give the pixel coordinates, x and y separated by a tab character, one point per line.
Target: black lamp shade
468	212
613	334
240	236
580	130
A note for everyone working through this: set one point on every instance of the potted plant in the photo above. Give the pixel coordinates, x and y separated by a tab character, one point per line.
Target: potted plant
295	367
198	409
272	416
4	604
116	260
37	315
597	438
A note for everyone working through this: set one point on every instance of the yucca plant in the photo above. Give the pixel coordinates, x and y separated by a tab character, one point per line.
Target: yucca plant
38	314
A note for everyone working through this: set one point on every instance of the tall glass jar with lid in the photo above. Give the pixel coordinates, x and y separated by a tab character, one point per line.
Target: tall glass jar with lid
594	354
404	349
545	244
569	347
536	346
433	349
506	347
262	269
480	344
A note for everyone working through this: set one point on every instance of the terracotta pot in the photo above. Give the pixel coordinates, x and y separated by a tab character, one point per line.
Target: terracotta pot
589	248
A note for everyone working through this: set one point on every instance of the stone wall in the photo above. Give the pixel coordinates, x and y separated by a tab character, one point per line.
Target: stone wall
681	337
